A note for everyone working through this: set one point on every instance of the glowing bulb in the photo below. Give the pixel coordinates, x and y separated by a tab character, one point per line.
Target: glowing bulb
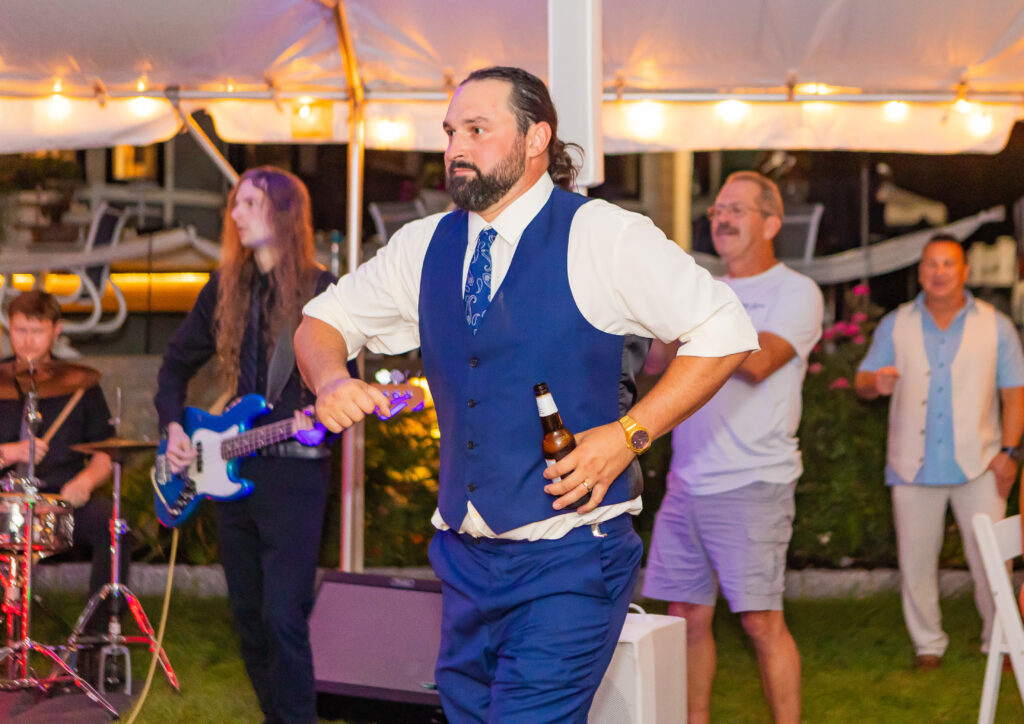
142	107
304	110
387	131
980	124
962	106
646	118
58	86
732	110
895	111
140	86
59	107
230	87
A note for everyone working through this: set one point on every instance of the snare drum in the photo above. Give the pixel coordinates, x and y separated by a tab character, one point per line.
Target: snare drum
53	523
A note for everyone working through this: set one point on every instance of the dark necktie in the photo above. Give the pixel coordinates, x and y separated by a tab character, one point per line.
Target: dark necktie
478	280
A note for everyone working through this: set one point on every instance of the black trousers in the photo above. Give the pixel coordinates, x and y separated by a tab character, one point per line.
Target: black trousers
269	545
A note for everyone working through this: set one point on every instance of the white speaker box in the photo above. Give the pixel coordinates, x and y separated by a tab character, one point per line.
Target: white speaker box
646	680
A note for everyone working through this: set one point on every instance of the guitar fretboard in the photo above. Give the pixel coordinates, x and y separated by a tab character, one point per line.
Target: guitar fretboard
249	442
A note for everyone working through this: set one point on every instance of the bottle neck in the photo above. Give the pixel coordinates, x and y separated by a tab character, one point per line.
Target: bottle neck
549	418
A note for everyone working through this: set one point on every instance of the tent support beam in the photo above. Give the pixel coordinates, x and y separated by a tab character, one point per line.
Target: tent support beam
208	146
352	462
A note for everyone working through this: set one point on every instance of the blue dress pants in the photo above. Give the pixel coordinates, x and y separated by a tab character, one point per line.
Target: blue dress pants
269	543
528	628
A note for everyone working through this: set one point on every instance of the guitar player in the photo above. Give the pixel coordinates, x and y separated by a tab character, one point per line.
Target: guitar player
245	318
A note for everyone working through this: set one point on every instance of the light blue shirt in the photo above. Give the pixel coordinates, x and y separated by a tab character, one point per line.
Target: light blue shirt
940	466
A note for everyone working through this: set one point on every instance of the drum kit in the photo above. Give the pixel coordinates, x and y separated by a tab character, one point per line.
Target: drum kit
51	522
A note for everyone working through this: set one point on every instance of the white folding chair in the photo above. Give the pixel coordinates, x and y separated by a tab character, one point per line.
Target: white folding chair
999	543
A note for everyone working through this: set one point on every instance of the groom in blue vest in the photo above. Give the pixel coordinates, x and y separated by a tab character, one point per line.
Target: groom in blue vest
525	283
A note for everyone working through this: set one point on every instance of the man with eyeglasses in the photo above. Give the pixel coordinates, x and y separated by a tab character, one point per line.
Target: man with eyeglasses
728	508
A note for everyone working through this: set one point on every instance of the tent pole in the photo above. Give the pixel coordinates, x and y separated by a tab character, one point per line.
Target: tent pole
352	462
208	146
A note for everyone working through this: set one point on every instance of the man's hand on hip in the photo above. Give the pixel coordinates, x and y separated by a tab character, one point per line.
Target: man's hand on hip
600	455
1005	469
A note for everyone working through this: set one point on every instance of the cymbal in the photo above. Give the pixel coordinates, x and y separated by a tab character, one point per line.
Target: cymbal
55	378
114	446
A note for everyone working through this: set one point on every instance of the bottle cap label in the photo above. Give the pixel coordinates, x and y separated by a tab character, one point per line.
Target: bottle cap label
546	405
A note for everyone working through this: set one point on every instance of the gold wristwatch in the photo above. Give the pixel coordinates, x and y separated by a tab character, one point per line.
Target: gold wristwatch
638	439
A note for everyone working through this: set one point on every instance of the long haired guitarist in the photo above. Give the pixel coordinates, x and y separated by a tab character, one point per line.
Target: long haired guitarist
245	317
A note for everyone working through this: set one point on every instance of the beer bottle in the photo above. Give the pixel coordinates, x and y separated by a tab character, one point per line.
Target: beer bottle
557	441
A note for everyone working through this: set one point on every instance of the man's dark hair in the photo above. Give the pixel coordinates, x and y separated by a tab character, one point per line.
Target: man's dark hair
35	305
531	103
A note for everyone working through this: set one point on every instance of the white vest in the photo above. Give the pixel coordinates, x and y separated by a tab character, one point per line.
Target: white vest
976	423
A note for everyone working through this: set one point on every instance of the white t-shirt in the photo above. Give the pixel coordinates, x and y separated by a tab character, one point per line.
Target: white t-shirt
747	432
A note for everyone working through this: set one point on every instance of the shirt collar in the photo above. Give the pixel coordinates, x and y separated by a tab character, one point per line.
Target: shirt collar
969	304
512	222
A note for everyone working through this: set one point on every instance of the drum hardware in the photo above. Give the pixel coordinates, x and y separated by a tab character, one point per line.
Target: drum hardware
18	584
114	642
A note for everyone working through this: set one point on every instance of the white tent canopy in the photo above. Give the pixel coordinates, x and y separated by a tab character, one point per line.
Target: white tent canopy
272	70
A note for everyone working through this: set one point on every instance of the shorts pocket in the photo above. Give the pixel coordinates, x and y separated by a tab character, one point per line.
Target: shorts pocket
767	561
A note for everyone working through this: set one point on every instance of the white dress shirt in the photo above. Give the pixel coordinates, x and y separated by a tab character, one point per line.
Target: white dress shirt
625	276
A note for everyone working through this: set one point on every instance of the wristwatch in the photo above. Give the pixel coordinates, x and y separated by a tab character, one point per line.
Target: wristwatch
1012	451
637	438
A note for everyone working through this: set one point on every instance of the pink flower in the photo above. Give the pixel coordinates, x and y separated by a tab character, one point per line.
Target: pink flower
861	290
852	328
829	333
840	383
814	368
858	317
859	339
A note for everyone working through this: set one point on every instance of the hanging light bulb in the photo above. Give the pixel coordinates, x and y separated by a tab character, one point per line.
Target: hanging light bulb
58	86
895	111
980	124
732	110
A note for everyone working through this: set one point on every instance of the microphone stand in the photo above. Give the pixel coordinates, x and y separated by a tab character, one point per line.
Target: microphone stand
22	676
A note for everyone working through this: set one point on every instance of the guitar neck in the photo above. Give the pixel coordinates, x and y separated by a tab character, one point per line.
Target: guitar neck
249	442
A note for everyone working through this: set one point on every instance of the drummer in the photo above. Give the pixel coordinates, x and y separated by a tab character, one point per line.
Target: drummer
34	322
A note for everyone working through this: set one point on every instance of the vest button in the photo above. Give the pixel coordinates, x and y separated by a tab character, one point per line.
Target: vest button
471	402
470	444
471	487
474	361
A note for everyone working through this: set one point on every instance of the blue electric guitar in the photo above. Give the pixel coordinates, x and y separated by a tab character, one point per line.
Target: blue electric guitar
220	441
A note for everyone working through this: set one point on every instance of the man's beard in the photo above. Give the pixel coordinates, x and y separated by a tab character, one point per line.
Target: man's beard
480	192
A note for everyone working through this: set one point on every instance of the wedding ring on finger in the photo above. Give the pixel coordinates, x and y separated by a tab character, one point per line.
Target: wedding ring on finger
586	484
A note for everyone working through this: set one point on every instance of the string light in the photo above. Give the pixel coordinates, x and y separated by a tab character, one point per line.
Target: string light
59	107
646	118
980	124
141	85
895	111
732	110
58	86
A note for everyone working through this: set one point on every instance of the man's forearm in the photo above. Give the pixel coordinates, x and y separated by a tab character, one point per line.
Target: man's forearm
1012	415
96	472
687	384
321	353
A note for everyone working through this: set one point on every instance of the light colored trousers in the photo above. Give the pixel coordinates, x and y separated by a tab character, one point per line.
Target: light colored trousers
920	516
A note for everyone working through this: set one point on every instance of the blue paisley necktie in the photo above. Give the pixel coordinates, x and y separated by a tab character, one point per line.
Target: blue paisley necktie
478	280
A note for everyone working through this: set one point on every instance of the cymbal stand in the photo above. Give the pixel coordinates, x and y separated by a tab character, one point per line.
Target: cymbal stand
21	674
114	642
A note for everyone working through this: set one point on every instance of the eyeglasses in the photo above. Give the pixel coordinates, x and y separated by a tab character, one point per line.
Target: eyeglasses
732	210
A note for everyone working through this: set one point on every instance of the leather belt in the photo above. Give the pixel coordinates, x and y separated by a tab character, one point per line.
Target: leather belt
294	449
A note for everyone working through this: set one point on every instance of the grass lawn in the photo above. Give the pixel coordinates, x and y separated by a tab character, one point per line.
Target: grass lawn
856	663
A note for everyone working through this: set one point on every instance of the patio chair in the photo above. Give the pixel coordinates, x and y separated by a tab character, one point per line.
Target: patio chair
999	543
389	216
107	226
799	233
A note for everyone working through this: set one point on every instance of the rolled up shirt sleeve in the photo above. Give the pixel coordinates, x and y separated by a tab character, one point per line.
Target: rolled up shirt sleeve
628	278
377	306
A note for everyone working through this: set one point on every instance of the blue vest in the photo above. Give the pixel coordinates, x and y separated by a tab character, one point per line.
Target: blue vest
483	384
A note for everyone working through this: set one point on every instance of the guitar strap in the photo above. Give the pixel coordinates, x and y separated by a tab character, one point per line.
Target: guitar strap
282	361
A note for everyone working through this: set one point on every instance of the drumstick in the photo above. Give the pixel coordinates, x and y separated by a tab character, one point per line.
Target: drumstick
63	415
